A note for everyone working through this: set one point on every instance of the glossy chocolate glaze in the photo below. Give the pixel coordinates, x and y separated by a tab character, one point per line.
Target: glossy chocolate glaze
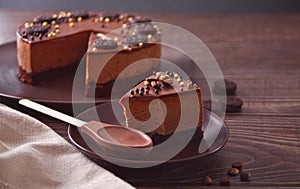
122	136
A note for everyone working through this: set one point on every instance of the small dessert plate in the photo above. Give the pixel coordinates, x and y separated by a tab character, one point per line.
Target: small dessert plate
106	114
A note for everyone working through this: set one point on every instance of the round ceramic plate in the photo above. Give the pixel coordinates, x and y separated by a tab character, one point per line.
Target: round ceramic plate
58	89
106	114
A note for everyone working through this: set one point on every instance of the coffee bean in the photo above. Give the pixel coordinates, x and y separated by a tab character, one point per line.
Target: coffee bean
237	165
229	87
234	104
207	180
225	181
233	172
245	176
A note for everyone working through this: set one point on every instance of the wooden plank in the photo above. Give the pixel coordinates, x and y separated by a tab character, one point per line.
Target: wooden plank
260	52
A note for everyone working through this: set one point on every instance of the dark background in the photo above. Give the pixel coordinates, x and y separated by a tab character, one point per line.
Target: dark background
157	5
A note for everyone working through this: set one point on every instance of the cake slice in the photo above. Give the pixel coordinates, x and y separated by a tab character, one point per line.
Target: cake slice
110	55
154	106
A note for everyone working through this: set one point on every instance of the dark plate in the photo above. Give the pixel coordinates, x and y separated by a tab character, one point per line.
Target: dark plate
58	88
106	114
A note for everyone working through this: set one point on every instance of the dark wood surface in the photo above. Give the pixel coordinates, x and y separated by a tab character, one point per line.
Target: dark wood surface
261	53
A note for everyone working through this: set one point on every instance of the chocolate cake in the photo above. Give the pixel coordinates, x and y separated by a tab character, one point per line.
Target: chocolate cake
124	52
57	41
173	91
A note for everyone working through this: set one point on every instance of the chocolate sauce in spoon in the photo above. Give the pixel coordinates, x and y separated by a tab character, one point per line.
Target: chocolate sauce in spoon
106	135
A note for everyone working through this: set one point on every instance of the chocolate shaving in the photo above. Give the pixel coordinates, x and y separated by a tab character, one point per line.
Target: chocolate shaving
132	40
105	44
145	29
36	30
111	15
77	13
43	18
142	20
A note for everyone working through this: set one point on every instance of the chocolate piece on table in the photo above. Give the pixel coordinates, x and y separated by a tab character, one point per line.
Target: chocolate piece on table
233	172
230	87
225	181
234	104
245	176
237	165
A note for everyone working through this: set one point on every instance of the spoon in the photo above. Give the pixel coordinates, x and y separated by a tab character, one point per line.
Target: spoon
114	138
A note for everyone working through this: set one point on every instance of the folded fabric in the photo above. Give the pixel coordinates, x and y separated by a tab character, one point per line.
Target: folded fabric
34	156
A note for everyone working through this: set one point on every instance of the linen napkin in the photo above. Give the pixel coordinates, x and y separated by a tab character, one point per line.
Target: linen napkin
34	156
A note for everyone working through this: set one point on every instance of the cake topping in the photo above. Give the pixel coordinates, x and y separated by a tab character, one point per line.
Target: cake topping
146	29
105	44
71	24
160	82
133	40
43	18
146	83
110	16
37	29
79	14
141	20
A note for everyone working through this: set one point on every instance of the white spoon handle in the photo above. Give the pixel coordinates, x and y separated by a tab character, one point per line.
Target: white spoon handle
51	112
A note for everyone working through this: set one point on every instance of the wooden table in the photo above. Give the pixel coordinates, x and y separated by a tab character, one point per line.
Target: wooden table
261	53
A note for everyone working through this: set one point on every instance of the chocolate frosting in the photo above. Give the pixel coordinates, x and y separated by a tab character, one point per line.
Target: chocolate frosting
159	85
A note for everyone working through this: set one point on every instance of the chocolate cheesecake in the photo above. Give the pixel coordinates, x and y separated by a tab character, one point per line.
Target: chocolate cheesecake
58	41
113	53
155	105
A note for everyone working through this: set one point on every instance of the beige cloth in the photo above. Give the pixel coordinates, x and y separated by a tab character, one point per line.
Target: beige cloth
34	156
